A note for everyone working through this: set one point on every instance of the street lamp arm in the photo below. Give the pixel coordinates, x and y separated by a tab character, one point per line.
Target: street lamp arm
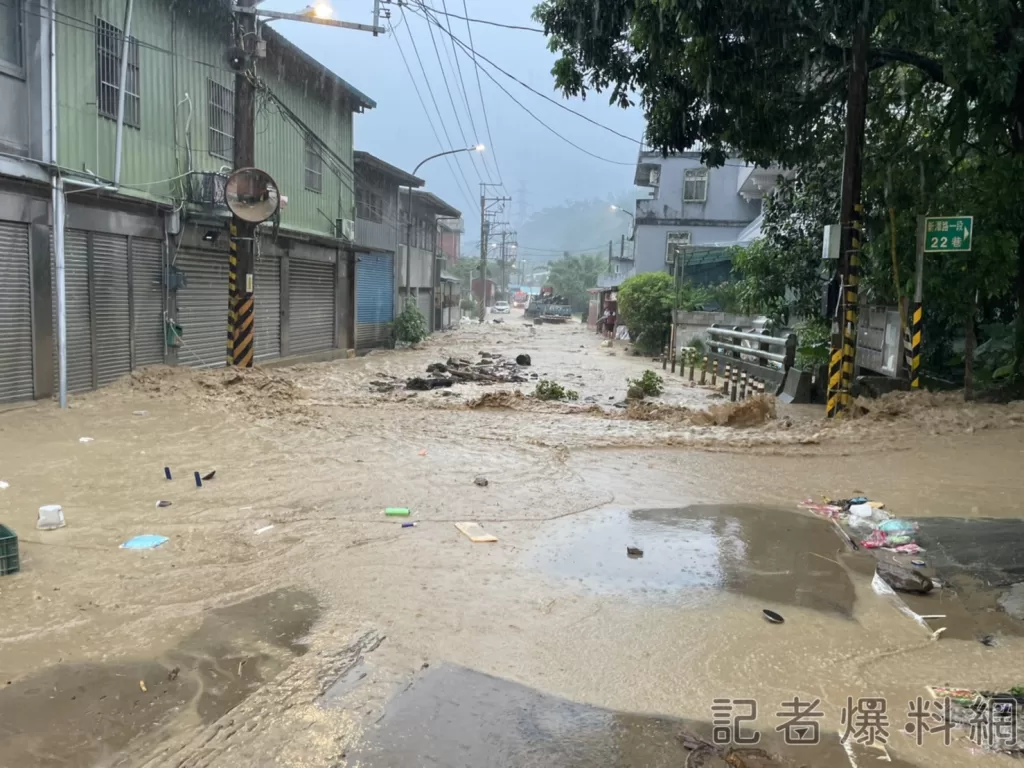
477	148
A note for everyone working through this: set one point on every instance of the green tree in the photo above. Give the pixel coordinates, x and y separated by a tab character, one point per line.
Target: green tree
645	305
769	79
572	276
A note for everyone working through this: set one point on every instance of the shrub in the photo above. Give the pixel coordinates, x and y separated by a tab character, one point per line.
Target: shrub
410	326
649	384
550	390
645	304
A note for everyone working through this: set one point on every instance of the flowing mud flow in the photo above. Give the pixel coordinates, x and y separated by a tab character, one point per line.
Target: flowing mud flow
288	621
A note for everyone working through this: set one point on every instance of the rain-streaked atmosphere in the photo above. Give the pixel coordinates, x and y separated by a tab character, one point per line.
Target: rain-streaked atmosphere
539	383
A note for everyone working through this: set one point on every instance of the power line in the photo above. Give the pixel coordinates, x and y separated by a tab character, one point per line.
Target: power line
483	104
426	111
480	68
462	86
433	99
489	23
544	96
451	100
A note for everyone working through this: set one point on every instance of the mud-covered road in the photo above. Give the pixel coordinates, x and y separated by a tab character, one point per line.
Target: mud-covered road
338	637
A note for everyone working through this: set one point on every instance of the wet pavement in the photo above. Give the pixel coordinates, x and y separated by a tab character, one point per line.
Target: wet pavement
292	643
458	718
690	554
95	710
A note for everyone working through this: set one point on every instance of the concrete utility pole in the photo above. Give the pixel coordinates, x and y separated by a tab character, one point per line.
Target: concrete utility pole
241	262
242	259
844	340
504	235
484	231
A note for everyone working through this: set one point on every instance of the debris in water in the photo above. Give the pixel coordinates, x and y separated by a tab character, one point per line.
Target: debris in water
163	503
437	368
145	541
173	674
497	400
903	579
634	552
421	384
51	517
4	485
167	472
397	512
85	439
209	475
523	360
408	525
140	413
199	480
988	641
142	686
772	616
475	533
264	529
481	481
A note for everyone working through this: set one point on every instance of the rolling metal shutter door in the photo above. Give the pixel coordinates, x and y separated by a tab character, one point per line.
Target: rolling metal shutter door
113	313
268	307
16	382
203	308
311	298
79	325
375	299
148	301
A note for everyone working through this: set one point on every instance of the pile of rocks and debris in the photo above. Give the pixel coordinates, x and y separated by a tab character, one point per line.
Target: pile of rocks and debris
491	368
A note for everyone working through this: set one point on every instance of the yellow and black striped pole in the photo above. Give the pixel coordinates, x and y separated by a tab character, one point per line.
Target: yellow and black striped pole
842	359
232	292
914	347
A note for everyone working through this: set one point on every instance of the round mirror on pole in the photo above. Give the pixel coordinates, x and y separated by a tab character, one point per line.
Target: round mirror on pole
252	195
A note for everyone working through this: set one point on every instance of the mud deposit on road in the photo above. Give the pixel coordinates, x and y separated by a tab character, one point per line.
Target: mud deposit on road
96	710
458	718
690	554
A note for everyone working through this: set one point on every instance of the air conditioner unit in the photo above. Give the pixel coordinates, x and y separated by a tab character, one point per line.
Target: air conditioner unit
346	229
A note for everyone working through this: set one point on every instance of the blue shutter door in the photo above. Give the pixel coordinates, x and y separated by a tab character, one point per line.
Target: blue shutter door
375	299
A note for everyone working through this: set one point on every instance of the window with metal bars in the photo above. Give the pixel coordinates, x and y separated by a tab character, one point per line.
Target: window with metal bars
222	120
695	185
314	164
675	244
109	42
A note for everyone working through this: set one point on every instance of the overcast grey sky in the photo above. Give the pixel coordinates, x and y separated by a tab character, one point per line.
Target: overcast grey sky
526	153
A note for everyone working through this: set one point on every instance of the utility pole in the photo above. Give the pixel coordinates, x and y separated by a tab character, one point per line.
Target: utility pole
483	254
844	339
241	262
241	333
609	255
504	235
484	233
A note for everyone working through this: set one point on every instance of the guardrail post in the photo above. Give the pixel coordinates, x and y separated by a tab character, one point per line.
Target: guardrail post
790	352
704	371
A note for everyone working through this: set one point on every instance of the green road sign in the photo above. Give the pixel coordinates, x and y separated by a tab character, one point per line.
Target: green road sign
947	234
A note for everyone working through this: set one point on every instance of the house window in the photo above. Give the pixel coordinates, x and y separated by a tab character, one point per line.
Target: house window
314	164
109	42
674	245
369	205
695	185
11	51
222	120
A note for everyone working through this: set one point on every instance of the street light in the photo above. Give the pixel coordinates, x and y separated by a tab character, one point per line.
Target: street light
623	210
408	229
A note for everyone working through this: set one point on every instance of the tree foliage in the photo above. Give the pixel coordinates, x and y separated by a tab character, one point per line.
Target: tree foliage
573	276
768	80
645	305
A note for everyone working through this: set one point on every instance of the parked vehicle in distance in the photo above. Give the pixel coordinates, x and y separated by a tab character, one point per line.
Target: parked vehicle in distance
501	308
520	299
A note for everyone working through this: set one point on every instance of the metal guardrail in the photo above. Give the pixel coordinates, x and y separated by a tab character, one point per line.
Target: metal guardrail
760	367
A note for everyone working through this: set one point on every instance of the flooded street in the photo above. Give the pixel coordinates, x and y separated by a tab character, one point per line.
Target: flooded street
288	621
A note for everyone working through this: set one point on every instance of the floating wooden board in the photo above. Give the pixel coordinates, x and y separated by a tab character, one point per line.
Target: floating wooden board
475	533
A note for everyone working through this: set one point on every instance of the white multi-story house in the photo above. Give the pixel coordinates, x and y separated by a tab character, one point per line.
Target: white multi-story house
693	208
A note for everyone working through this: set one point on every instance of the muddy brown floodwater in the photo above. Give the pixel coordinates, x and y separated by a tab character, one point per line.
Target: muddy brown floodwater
287	621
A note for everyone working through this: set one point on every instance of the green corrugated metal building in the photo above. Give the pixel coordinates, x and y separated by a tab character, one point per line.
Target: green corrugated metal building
154	249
